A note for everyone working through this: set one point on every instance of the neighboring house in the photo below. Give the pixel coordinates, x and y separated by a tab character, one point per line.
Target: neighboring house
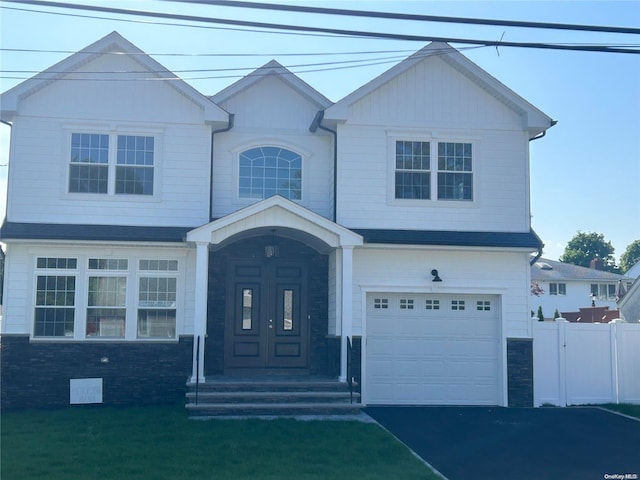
568	287
155	234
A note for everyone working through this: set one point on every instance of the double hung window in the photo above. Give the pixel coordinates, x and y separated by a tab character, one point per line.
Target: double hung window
416	176
157	287
55	297
107	298
111	164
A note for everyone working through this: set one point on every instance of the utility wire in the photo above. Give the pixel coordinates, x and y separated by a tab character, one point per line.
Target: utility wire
414	17
352	33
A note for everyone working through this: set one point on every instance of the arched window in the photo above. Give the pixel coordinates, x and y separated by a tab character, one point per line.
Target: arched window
268	171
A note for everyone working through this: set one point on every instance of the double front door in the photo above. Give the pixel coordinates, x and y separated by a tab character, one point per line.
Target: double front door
266	321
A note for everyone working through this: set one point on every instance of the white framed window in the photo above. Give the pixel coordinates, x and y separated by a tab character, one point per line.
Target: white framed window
455	172
157	299
433	170
269	170
557	288
106	298
112	164
413	170
55	297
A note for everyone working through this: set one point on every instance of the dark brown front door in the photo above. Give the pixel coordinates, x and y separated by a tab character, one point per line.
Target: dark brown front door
266	321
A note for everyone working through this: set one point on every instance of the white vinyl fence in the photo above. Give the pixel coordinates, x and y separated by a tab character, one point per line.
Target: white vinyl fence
581	363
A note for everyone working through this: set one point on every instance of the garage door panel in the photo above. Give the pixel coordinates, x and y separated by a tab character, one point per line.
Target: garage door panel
443	356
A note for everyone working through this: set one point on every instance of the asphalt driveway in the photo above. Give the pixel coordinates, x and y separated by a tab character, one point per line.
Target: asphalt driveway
518	443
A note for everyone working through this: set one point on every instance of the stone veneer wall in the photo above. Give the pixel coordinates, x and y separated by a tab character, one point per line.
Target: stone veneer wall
520	372
37	374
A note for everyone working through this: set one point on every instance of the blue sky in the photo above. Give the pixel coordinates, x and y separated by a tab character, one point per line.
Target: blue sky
585	174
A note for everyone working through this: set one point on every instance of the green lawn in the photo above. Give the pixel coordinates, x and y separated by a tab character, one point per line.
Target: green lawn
149	443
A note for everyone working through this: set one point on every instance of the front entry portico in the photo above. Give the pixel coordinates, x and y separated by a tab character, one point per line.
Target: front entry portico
272	322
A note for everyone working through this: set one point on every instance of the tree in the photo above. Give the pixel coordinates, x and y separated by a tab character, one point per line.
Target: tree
584	247
630	257
540	315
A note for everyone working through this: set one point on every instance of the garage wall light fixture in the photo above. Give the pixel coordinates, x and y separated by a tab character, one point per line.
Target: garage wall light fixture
436	277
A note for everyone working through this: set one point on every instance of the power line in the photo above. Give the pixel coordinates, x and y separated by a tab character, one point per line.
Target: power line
414	17
342	32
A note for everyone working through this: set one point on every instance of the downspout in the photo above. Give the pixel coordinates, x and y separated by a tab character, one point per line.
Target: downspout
6	212
317	123
540	244
213	133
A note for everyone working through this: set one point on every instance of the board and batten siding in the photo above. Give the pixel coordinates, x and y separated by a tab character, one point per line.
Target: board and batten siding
480	272
41	142
271	113
433	102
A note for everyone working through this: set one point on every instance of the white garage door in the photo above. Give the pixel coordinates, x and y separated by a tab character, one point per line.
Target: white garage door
428	349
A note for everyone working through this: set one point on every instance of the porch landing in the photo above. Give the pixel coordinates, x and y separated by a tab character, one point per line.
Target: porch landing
271	396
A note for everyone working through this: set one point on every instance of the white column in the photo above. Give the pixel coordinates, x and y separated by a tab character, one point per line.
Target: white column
346	307
200	310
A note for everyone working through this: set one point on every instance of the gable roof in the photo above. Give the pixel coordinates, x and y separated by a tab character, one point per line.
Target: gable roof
535	120
276	69
551	270
111	43
272	212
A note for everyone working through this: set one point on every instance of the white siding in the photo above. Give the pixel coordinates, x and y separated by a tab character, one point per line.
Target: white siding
272	113
465	272
433	102
40	151
20	276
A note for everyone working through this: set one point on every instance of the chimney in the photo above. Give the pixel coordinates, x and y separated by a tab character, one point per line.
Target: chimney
596	263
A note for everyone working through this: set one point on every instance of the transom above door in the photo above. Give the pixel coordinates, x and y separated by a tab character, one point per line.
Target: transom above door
266	320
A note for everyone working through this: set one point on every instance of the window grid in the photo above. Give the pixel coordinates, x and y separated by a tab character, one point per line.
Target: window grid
106	312
57	263
432	304
455	177
406	304
134	165
483	306
382	303
413	175
158	265
108	264
457	305
268	171
557	289
157	307
54	310
89	163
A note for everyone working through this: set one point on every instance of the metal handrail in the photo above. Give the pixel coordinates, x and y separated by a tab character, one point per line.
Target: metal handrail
197	366
349	368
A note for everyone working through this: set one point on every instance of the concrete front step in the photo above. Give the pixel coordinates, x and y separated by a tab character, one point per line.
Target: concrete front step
271	409
271	396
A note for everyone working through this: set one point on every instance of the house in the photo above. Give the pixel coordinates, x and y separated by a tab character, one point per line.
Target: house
157	236
568	287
